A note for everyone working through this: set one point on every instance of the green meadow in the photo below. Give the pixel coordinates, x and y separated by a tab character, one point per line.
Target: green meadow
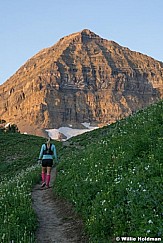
18	173
112	176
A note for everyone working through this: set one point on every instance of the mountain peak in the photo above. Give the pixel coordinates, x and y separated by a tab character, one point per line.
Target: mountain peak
83	36
89	34
82	78
86	31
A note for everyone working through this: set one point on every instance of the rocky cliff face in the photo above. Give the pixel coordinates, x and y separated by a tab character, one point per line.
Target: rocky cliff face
82	78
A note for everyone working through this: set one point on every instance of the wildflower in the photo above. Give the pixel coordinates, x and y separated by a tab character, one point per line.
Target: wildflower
147	167
3	236
103	202
150	221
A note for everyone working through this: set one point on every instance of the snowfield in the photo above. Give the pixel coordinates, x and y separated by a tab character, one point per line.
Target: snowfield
69	132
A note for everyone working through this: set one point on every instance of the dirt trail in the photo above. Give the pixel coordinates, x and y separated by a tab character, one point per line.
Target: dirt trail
57	221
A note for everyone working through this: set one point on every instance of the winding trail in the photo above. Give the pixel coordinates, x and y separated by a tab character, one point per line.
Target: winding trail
57	221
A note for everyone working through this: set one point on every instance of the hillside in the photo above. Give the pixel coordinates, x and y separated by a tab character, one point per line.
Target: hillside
81	78
114	177
19	173
17	152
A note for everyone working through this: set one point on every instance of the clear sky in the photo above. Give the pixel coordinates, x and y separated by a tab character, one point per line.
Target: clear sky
27	26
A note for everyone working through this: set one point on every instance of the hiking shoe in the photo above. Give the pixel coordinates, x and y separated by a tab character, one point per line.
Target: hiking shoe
47	186
43	184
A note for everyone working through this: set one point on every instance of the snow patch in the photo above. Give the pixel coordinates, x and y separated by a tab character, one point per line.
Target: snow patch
69	132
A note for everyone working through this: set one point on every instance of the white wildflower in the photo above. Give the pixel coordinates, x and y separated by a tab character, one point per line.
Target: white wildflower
150	221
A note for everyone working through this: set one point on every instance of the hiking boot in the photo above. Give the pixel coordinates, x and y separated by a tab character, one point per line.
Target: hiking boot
43	184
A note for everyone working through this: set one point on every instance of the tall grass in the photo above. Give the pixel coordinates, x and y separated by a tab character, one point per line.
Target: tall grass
19	172
114	177
18	220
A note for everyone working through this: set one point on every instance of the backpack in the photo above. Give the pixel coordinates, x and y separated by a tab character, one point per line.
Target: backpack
48	151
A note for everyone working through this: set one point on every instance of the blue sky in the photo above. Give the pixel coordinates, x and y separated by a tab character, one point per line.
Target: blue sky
27	26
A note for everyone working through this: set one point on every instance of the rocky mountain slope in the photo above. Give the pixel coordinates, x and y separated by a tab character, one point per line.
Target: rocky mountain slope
82	78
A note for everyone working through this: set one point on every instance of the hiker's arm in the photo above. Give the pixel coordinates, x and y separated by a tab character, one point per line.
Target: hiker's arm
55	153
41	152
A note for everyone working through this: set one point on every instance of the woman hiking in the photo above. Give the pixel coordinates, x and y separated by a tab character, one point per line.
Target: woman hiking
47	154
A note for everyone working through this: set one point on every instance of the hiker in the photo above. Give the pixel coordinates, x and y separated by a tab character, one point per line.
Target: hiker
47	154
